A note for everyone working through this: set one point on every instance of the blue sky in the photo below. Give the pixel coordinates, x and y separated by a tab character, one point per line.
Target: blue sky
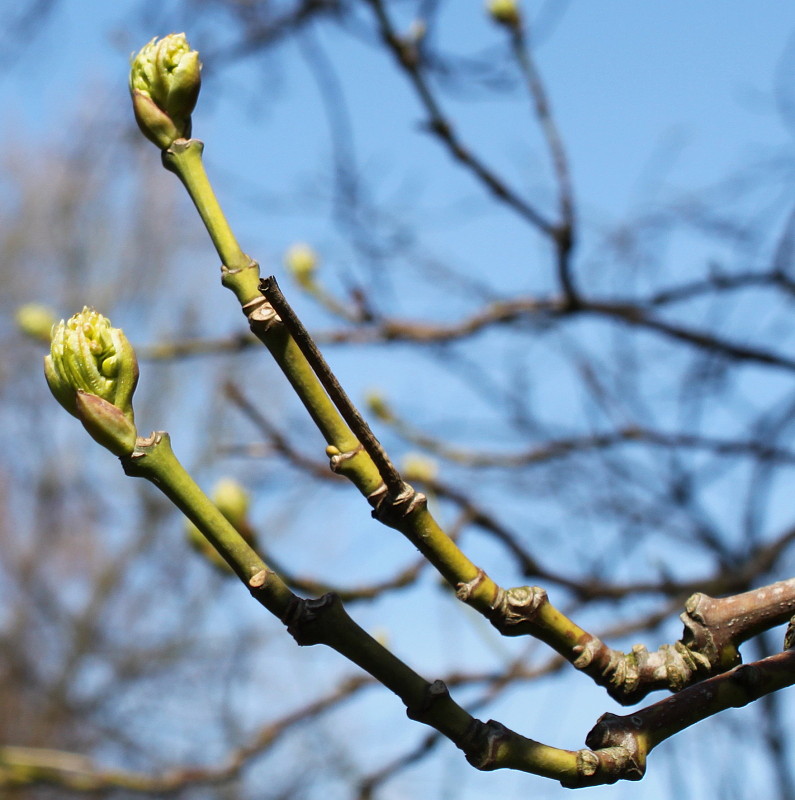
650	99
627	81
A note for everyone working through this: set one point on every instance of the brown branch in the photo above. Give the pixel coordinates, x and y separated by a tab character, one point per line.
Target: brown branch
276	439
261	34
563	447
505	312
190	348
759	561
523	610
563	234
638	733
714	630
31	766
400	580
516	670
720	282
634	315
407	57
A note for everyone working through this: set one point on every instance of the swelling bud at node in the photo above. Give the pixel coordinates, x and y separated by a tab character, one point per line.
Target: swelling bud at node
165	78
92	372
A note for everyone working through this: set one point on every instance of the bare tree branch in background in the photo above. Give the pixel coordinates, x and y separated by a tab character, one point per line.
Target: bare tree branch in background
620	433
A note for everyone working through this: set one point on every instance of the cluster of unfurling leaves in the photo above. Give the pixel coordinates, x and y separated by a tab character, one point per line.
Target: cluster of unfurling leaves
165	79
92	371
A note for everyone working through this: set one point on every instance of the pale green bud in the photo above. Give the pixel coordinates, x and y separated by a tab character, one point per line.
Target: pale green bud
417	467
232	500
36	321
301	261
505	12
165	78
378	405
89	356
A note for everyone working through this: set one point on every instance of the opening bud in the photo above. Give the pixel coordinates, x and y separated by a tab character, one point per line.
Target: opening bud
165	78
92	372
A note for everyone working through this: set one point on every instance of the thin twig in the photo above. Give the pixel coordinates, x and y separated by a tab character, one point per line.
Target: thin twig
389	474
406	56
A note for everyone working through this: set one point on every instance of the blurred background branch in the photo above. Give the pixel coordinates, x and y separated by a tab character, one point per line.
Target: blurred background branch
609	415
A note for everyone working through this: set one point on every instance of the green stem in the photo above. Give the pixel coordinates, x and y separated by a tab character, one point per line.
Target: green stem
154	460
325	621
297	370
241	274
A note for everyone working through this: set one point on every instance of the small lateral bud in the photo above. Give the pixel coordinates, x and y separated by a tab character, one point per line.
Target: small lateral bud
301	261
233	501
505	12
418	467
36	320
378	406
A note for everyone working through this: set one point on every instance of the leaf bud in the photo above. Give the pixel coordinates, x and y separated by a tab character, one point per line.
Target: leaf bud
378	405
89	356
301	261
35	320
505	12
233	501
418	467
165	78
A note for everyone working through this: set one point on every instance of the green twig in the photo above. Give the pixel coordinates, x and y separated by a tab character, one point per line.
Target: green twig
273	294
240	273
325	621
